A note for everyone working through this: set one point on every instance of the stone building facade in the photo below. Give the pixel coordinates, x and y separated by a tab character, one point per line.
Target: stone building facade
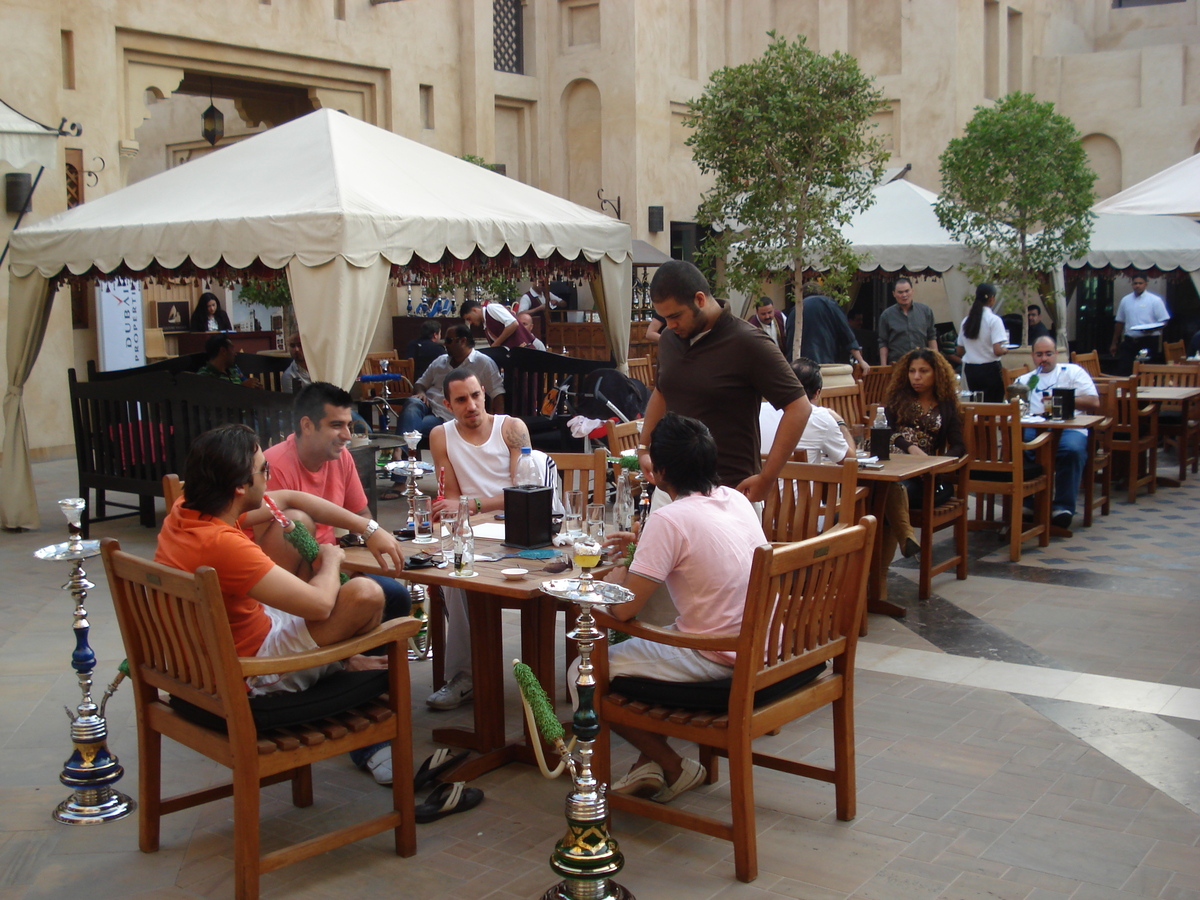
573	96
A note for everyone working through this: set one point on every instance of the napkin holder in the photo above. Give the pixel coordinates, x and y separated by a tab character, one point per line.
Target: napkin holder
527	512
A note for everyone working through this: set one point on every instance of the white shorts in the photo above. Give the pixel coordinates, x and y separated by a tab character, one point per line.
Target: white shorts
641	658
288	634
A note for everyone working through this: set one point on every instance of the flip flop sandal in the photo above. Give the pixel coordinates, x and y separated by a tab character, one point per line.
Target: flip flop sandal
437	763
448	799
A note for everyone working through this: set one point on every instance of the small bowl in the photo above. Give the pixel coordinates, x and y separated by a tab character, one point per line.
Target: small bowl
514	574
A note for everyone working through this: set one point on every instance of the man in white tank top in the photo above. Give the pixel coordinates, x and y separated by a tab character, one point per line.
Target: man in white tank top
479	453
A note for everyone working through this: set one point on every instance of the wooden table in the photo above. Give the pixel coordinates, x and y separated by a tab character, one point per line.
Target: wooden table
900	467
487	594
1188	401
1057	427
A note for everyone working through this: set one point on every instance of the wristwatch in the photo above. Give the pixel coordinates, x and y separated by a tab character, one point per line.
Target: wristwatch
372	527
642	448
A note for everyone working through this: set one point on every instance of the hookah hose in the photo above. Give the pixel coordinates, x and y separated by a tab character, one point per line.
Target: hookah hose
539	714
297	535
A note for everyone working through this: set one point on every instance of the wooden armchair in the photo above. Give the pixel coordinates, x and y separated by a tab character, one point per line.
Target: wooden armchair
1010	375
848	402
587	472
803	607
641	369
1177	422
622	436
1173	352
1089	361
809	499
950	513
1135	438
178	642
998	467
1098	469
875	385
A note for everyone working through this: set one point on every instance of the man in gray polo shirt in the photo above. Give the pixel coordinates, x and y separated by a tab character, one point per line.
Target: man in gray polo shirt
905	326
424	410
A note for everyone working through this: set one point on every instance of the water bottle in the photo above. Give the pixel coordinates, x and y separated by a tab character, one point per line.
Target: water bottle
464	541
881	436
527	470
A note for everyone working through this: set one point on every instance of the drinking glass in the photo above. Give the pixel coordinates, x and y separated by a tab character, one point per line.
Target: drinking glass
588	552
859	435
446	527
572	525
423	520
595	521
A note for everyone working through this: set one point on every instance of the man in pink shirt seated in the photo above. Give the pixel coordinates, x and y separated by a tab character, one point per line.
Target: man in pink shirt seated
701	545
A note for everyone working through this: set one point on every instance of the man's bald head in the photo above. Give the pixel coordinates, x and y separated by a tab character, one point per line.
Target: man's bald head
1045	353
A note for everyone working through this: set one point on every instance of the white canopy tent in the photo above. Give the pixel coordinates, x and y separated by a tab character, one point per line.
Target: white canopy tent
335	201
1175	191
1145	243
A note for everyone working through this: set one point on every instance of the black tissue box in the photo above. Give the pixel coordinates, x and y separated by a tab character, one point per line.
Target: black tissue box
527	516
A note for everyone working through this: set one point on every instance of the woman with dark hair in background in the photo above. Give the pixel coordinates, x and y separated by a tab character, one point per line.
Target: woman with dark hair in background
922	411
982	340
208	315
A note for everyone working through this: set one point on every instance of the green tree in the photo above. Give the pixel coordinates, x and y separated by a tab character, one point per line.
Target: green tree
1016	187
789	141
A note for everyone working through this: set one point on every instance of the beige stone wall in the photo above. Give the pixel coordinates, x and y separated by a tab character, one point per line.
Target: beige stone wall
601	103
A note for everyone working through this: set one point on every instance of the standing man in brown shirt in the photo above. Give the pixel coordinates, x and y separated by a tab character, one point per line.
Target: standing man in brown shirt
718	368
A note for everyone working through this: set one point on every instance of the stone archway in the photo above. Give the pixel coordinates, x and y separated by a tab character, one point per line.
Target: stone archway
1104	157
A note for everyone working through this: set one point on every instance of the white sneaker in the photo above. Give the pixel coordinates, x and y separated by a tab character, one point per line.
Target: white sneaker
453	694
379	764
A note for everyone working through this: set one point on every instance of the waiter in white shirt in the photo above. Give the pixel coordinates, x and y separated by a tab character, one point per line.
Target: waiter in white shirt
1131	334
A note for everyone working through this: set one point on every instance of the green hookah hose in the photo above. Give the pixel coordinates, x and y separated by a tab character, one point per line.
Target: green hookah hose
297	535
539	713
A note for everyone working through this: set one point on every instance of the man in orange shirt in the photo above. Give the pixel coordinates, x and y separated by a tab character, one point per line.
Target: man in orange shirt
271	611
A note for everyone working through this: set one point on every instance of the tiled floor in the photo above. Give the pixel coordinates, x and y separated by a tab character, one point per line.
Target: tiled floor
1027	734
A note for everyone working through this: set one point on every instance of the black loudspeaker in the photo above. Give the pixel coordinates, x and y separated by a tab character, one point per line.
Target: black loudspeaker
18	187
655	221
527	516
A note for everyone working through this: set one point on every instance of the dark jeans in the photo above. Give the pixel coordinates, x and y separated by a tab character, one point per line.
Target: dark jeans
417	416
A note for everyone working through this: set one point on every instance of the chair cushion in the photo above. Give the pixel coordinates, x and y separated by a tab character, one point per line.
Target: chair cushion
705	695
282	709
1032	471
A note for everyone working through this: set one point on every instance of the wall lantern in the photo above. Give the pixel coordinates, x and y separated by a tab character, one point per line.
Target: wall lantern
212	121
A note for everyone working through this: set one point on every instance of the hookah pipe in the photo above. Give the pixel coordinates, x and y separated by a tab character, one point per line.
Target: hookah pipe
297	535
539	714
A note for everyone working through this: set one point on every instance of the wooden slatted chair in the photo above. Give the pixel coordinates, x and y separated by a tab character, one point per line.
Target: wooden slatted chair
1011	375
587	472
875	385
1174	352
641	369
1176	431
178	642
1089	361
803	607
950	513
622	436
848	402
810	499
1098	470
998	467
1135	438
